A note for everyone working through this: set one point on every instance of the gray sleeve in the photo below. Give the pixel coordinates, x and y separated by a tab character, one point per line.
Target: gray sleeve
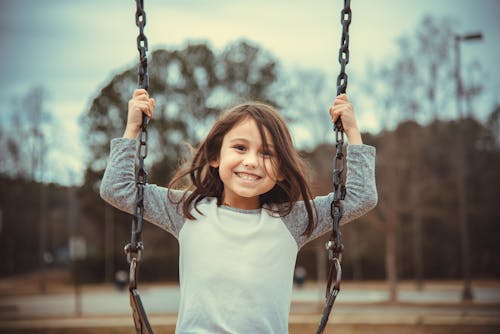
360	198
118	189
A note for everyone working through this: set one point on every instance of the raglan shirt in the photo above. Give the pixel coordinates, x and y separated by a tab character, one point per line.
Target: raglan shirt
236	266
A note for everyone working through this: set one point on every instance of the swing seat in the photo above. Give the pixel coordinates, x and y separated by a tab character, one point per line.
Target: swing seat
141	321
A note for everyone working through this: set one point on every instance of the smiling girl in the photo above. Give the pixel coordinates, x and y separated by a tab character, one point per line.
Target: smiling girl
244	216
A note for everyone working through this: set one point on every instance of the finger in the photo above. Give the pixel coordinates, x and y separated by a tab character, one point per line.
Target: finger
140	92
142	97
335	118
341	99
335	112
339	111
152	105
343	107
338	108
141	107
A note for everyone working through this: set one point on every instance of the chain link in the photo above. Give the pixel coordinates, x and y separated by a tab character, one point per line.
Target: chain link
135	247
142	45
345	20
335	246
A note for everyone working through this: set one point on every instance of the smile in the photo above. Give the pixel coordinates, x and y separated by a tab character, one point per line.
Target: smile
248	177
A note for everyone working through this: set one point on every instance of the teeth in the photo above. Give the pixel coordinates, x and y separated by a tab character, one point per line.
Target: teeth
247	176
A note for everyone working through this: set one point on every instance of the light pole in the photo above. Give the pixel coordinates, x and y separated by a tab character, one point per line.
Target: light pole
461	170
460	91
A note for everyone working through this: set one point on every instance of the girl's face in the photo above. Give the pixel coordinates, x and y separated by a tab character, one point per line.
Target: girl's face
246	169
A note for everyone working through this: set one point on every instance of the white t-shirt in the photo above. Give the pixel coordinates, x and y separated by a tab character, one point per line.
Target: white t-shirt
235	272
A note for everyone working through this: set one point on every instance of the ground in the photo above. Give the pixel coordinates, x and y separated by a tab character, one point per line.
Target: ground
362	307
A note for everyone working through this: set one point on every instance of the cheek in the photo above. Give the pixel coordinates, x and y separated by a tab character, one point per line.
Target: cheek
228	160
226	166
272	170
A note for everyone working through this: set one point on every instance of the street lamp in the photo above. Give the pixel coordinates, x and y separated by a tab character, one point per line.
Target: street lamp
461	170
459	38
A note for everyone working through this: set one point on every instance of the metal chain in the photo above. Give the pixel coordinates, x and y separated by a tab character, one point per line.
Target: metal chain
335	246
135	247
345	19
142	45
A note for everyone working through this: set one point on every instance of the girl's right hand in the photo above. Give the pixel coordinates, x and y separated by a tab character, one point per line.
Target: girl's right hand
140	104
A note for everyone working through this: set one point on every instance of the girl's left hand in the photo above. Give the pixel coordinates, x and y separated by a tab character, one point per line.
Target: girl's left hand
343	108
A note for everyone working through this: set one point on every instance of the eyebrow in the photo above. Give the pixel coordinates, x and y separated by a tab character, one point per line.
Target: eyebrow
270	145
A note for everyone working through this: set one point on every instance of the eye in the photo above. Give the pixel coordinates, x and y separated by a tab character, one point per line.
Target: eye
239	147
267	154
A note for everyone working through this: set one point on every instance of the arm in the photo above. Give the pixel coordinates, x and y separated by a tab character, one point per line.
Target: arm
118	186
361	194
119	190
361	197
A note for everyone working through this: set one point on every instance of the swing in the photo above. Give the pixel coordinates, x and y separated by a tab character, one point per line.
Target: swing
334	245
135	247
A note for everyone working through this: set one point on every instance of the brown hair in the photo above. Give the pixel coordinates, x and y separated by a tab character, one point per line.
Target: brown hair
204	180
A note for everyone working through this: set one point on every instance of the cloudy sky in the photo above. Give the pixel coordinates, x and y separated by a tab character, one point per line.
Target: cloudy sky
72	48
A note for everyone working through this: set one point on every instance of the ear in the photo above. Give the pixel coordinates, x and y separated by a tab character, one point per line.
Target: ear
214	164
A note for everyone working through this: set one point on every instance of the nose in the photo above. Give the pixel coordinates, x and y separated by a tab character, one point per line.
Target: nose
250	160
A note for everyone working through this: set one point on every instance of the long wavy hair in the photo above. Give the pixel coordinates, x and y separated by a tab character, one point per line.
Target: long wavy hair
203	180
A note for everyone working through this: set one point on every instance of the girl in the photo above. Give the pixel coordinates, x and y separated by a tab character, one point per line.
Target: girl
247	212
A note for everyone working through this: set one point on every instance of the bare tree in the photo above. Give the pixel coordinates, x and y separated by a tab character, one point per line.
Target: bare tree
304	97
23	143
24	147
415	86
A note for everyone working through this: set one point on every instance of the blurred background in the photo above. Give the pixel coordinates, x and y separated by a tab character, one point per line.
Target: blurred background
423	77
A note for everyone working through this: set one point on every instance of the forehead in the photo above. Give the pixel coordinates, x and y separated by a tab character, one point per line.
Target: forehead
247	129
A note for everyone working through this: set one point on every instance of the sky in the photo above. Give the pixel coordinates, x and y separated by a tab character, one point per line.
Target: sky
73	48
